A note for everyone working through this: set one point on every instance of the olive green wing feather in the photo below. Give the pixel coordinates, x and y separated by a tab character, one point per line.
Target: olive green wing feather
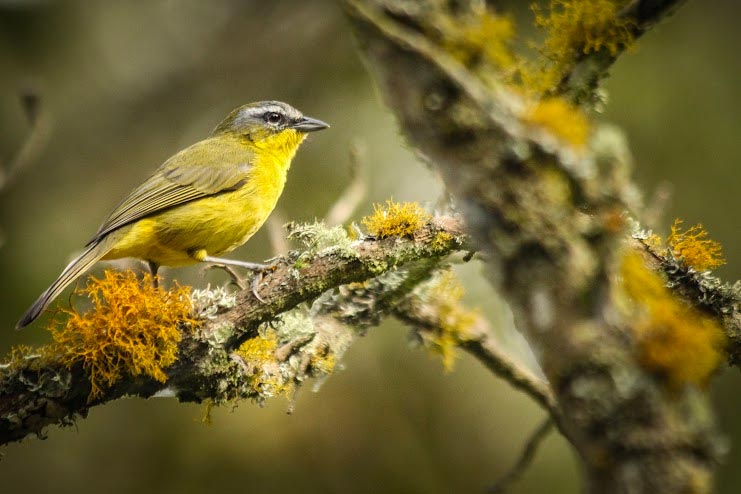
204	169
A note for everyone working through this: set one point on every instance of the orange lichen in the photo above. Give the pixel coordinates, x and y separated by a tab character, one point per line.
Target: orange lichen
395	219
673	339
694	247
454	320
560	118
261	365
132	329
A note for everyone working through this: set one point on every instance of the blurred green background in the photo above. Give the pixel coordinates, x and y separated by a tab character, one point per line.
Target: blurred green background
126	84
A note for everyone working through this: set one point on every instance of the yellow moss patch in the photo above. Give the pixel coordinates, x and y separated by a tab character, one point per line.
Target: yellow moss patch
133	329
694	247
673	339
258	355
395	219
455	320
559	118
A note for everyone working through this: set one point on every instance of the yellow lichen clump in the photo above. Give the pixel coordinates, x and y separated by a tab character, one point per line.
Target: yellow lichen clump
323	363
573	28
560	118
395	219
482	37
694	247
262	367
673	339
132	329
454	320
584	26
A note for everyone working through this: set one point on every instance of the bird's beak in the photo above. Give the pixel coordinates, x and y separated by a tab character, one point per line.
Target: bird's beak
308	124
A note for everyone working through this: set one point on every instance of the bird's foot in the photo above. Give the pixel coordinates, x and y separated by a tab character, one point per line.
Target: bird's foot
234	277
258	271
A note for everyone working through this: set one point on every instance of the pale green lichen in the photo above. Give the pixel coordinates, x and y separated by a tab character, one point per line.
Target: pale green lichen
295	325
356	304
317	237
218	334
208	302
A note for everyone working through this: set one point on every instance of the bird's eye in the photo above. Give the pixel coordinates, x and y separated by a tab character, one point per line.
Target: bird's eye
273	118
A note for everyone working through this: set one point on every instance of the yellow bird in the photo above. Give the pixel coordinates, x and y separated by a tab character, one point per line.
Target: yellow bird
206	200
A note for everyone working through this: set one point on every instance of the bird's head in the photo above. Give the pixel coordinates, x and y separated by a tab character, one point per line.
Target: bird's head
269	123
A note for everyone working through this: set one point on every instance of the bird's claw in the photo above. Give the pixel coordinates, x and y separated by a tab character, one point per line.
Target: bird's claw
258	276
256	280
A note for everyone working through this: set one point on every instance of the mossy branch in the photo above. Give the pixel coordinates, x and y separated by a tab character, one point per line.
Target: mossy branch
244	348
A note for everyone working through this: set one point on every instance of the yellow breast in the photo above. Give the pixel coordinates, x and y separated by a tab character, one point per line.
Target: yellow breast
217	223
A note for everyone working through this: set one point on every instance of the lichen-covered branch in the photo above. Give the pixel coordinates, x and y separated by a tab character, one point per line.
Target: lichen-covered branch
700	289
545	193
581	75
478	340
235	346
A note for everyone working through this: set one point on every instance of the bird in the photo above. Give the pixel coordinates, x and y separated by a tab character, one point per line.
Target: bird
204	201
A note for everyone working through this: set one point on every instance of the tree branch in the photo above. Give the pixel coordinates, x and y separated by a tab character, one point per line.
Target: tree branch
480	342
525	459
581	78
702	290
547	216
35	392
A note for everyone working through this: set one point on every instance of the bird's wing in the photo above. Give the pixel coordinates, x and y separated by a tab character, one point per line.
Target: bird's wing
203	169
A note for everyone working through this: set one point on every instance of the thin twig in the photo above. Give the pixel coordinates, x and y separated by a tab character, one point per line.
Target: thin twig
525	459
657	205
34	141
484	346
481	343
354	194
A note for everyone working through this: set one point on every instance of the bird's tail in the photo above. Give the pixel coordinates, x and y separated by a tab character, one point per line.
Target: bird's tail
90	256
